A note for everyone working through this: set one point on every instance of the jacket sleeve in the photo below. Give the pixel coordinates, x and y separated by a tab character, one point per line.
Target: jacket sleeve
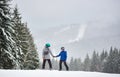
43	53
50	52
59	54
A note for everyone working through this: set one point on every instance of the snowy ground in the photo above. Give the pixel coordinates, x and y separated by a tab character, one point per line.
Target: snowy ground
53	73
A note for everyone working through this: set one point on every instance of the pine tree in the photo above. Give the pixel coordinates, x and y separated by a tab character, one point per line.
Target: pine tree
115	60
76	64
33	55
25	42
95	62
71	64
109	64
55	64
31	59
119	62
9	58
80	64
87	63
16	19
103	58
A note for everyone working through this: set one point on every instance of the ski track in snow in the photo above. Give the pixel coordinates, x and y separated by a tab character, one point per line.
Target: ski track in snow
53	73
81	33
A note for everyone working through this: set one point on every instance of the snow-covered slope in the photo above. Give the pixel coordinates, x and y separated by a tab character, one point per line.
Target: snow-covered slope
47	73
80	39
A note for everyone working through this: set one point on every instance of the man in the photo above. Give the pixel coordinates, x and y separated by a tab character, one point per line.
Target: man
46	56
63	58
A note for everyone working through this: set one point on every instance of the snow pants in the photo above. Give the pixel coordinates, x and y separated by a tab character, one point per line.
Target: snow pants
60	65
49	62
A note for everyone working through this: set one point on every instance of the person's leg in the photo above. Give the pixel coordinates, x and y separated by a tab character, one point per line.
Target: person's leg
67	68
43	65
49	62
60	65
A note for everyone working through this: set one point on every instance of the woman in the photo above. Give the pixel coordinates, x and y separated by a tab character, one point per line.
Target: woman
46	56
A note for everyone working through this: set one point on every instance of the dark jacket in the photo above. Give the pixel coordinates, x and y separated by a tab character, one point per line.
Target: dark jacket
63	55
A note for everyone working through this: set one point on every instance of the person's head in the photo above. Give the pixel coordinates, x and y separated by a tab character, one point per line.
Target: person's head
62	48
47	45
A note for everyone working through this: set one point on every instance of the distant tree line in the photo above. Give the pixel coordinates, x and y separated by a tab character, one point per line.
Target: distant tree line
106	61
17	48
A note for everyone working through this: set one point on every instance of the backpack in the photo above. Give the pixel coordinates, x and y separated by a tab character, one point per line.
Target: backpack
46	52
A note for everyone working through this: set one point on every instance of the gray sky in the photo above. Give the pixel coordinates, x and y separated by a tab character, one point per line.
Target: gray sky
42	14
47	13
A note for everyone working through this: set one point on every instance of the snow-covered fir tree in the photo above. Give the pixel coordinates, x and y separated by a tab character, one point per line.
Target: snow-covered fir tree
109	63
76	64
103	57
87	63
113	62
16	19
55	64
30	59
95	62
9	52
71	64
17	48
118	62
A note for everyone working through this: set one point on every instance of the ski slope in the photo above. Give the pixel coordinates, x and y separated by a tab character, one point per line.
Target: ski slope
53	73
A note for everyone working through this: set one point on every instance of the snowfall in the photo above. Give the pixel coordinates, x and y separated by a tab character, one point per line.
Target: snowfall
53	73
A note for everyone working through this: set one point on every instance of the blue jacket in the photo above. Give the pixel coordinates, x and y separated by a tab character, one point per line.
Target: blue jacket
63	55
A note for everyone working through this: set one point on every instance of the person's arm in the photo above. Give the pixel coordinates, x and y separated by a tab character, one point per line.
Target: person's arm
51	53
59	54
43	55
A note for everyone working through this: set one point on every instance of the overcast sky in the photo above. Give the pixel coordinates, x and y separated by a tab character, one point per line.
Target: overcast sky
48	13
